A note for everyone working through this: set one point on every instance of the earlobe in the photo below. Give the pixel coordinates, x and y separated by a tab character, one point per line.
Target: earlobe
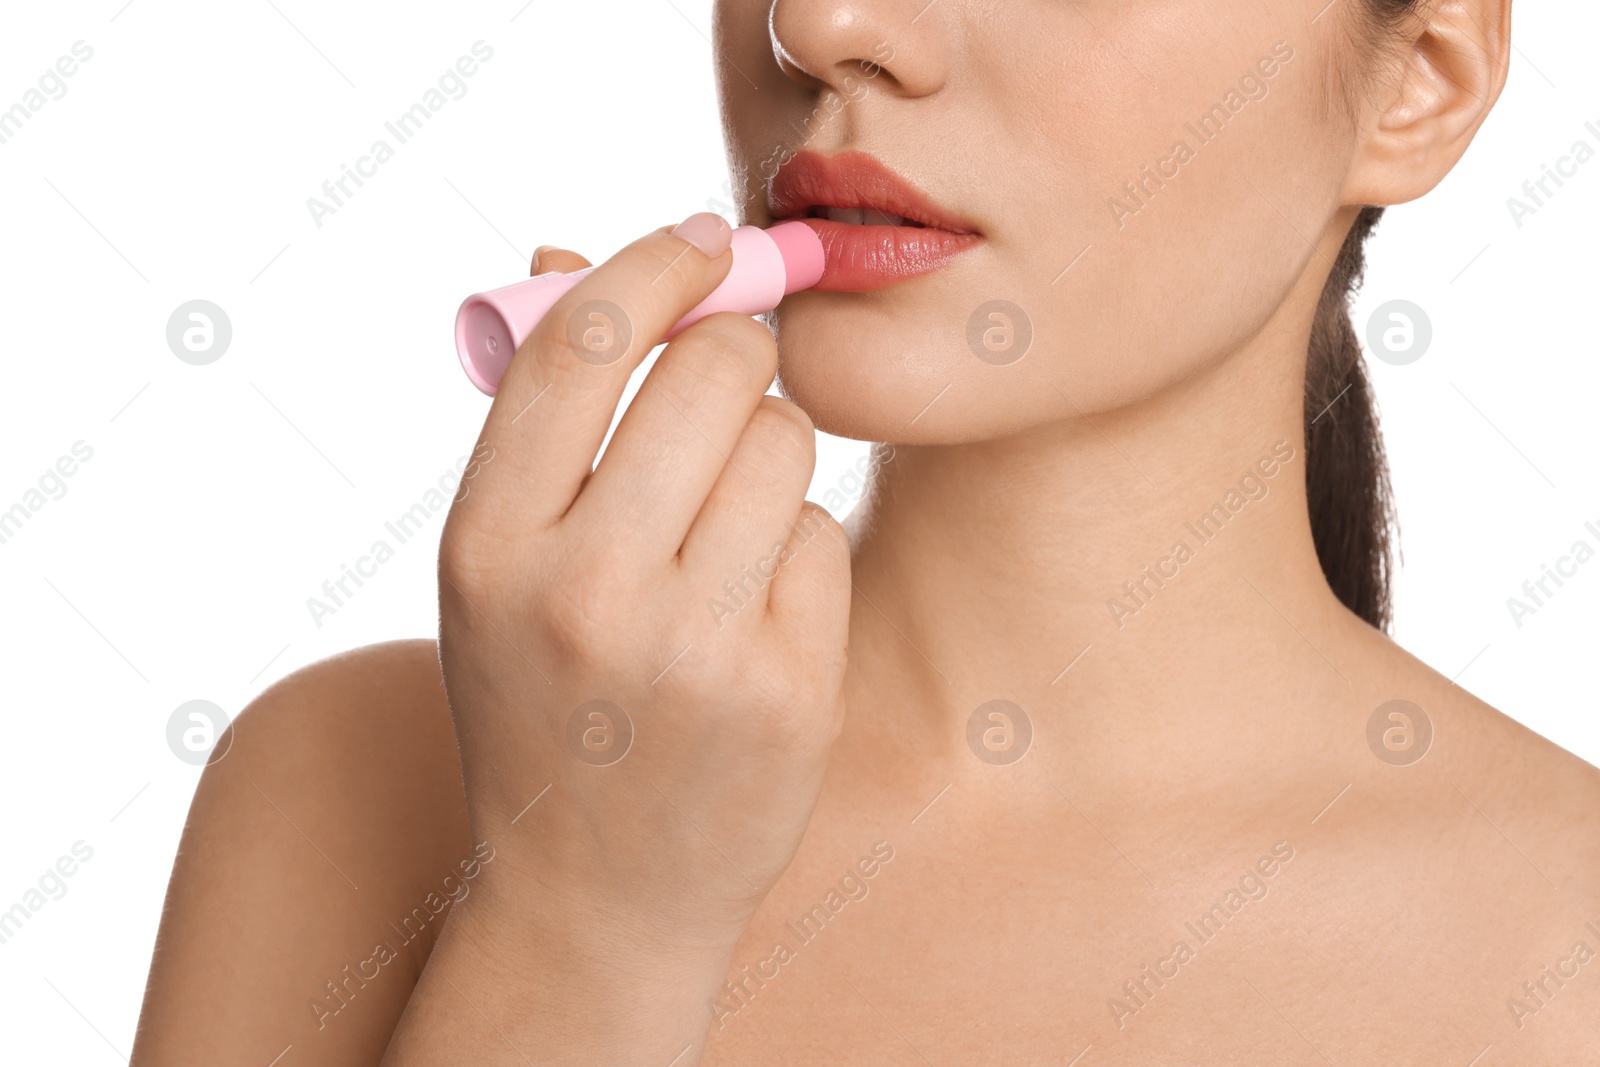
1450	64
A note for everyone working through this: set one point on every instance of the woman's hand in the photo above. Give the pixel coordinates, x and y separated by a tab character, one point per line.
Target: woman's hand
661	643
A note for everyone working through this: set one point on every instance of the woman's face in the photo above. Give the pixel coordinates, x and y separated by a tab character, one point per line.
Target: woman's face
1147	176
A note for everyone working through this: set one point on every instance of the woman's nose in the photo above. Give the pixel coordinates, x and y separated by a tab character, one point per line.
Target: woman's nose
901	44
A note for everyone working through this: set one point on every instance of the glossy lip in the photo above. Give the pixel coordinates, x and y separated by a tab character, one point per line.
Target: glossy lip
861	258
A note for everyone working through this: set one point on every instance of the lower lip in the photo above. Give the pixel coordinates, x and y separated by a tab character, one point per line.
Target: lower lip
862	258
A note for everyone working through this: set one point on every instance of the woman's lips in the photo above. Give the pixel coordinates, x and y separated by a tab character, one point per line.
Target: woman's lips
859	258
864	256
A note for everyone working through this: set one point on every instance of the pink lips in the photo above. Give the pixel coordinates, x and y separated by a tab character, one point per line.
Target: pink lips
864	257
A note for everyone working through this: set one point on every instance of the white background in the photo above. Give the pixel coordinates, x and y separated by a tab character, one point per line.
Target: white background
219	498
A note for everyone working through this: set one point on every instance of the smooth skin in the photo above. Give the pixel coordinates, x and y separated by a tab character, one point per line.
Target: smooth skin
1214	742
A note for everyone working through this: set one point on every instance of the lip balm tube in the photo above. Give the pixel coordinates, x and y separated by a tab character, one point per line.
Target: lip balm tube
767	266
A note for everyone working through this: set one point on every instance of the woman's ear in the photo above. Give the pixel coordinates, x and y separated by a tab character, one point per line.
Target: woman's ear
1425	104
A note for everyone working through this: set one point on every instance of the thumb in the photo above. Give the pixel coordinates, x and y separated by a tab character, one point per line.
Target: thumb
547	258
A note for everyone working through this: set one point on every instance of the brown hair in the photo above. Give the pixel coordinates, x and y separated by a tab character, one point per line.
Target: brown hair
1351	501
1347	475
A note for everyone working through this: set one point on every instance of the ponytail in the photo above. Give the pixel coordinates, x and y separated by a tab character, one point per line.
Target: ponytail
1351	501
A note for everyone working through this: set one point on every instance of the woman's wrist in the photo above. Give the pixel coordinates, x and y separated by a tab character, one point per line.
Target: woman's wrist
597	932
572	908
568	982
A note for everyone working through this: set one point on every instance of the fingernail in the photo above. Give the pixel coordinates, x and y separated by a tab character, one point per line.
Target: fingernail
541	250
707	231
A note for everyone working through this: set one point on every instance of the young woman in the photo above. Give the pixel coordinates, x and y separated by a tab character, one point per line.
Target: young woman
1084	744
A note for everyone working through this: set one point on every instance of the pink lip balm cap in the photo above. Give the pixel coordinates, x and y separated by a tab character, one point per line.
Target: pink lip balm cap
485	343
491	325
803	257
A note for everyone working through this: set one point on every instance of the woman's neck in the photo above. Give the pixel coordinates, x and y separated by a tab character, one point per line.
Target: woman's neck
1115	576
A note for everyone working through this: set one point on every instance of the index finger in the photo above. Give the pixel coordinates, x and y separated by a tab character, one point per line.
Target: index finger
560	391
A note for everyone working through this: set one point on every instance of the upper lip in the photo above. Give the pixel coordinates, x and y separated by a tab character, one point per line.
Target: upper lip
854	179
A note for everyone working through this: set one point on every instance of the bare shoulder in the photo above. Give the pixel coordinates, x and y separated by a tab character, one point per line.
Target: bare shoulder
334	813
373	717
404	672
369	723
1461	849
1538	795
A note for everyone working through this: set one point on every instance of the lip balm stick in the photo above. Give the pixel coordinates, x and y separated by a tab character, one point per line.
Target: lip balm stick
767	266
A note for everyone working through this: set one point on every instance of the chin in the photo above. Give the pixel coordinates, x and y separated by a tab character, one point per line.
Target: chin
907	376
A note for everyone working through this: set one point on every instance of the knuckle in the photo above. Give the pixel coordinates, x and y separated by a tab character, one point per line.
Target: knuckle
815	526
712	365
787	713
741	333
776	691
586	611
799	424
658	271
758	339
745	331
670	265
552	365
815	519
471	557
781	433
662	257
571	350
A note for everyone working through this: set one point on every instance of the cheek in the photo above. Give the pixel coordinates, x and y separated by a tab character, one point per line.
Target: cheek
1192	205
